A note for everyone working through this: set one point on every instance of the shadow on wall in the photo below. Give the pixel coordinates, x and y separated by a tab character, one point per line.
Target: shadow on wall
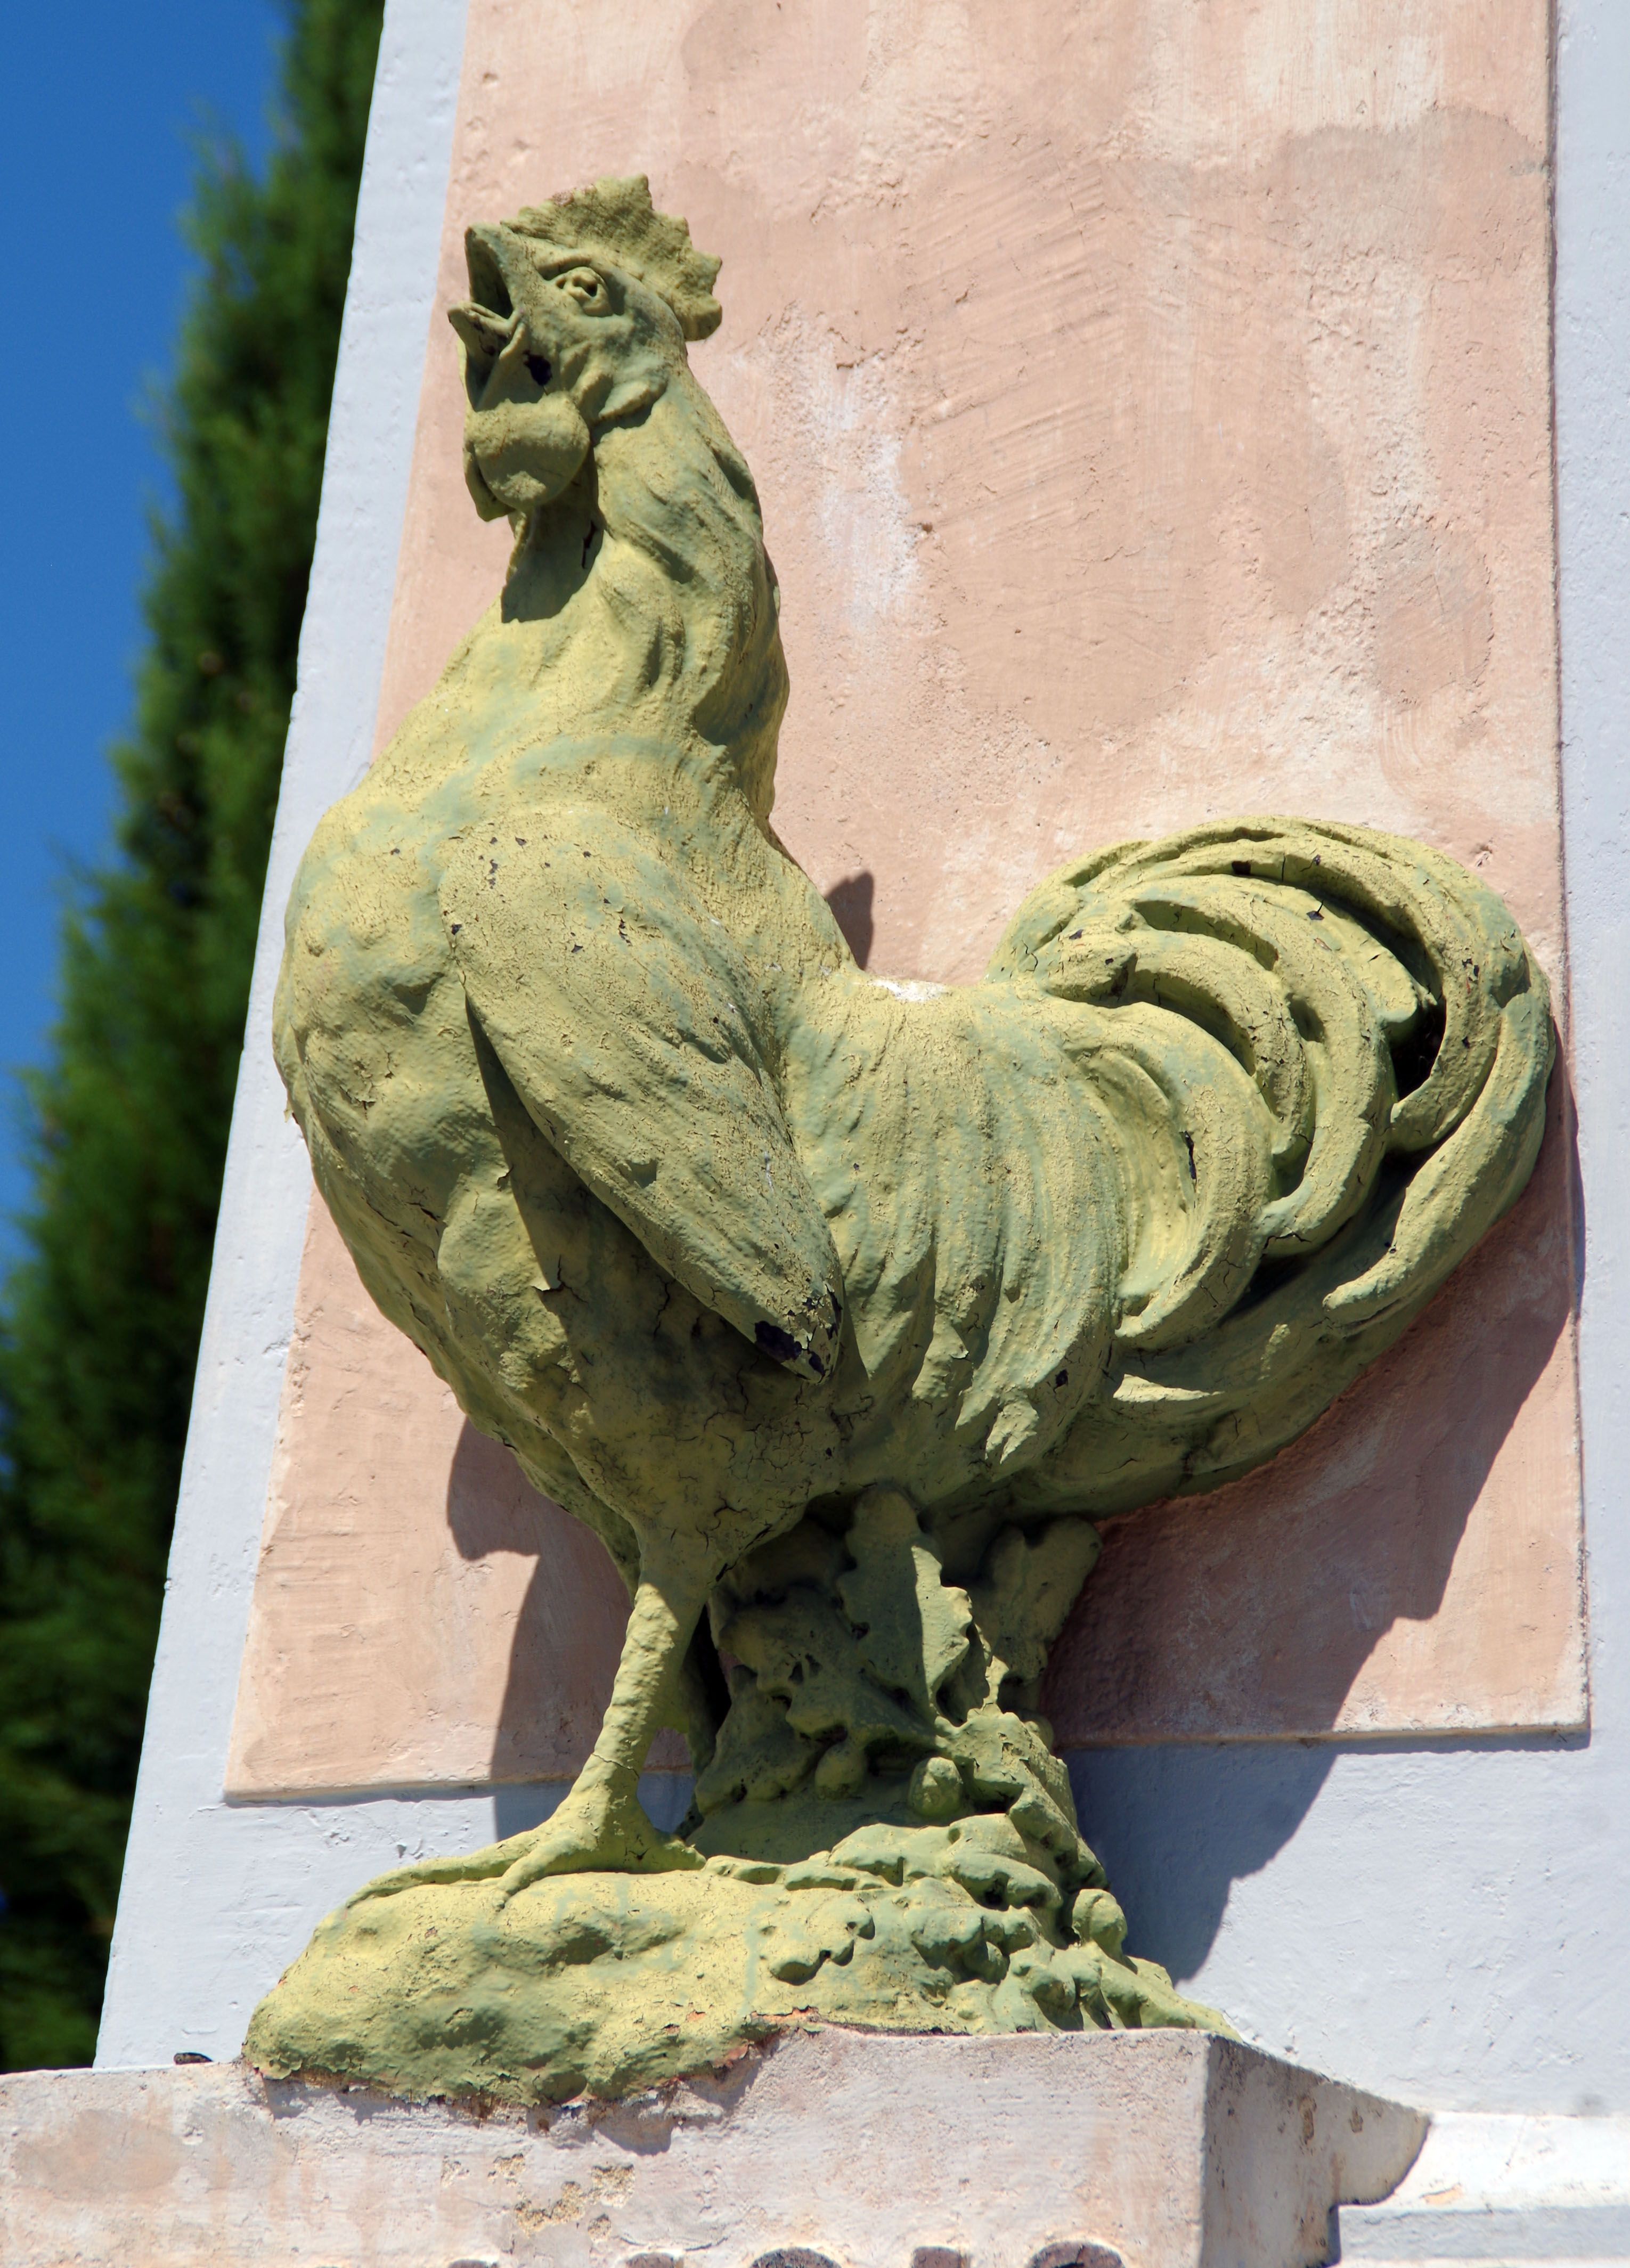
1255	1610
1177	1822
1175	1828
850	900
568	1634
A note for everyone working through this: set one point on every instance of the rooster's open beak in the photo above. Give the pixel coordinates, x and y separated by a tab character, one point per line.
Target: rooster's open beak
484	335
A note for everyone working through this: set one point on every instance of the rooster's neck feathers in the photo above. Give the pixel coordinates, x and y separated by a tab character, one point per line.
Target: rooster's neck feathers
658	552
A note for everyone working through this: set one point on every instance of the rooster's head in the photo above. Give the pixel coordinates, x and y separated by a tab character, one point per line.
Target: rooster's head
579	313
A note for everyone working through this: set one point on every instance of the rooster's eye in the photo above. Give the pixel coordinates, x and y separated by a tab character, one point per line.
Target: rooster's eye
538	369
583	285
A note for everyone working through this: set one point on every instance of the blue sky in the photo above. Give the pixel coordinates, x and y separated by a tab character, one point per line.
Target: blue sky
100	104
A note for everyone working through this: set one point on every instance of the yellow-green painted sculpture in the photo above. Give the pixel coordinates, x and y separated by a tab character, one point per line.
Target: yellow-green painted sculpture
838	1309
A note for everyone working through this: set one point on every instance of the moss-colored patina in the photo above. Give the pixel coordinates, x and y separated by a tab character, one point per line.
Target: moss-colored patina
838	1309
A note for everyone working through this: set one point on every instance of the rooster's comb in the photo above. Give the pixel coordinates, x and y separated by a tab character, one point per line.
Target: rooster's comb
616	220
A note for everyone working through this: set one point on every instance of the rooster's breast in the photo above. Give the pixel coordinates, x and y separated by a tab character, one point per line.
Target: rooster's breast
554	1325
374	1037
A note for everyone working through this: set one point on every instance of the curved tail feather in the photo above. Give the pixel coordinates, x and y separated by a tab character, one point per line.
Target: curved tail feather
1355	1043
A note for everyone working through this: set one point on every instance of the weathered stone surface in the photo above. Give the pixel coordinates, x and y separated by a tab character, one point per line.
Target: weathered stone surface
607	1982
1160	2150
838	1308
1325	621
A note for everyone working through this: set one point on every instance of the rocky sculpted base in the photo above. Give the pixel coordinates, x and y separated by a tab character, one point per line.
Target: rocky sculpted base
607	1982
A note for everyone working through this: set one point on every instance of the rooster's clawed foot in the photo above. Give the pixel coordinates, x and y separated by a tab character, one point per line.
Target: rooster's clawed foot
596	1828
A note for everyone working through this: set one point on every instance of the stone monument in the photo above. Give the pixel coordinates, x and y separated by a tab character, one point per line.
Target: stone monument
835	1307
756	1503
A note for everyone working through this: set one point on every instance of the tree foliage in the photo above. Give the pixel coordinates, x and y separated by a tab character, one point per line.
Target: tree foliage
127	1120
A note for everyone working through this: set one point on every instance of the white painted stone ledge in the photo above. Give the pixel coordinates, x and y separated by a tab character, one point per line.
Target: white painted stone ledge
829	2149
1489	2191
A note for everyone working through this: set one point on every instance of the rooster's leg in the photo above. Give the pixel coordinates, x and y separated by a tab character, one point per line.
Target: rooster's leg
601	1824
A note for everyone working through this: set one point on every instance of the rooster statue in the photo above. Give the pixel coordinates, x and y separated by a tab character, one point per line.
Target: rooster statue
837	1307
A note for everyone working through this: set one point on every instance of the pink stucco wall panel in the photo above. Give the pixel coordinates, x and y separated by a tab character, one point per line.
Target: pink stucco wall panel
1151	409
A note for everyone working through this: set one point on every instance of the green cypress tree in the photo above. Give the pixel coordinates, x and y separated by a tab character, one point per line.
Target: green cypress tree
128	1118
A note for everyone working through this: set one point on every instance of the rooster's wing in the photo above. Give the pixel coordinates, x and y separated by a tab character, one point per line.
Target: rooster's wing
622	1014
